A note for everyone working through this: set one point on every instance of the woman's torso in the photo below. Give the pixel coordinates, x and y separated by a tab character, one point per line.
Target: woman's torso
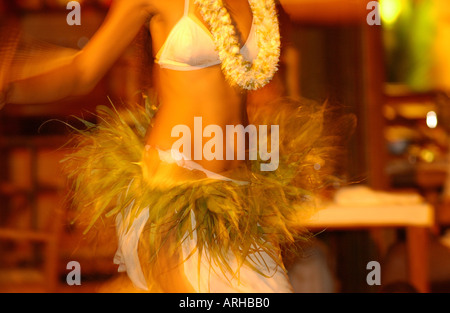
186	94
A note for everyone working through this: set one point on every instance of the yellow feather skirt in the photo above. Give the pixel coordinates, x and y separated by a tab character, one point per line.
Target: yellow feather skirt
113	175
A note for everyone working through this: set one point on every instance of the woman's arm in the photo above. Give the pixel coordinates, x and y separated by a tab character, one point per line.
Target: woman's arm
80	76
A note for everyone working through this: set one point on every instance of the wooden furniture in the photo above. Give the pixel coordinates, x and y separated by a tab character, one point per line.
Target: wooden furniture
417	219
25	151
26	155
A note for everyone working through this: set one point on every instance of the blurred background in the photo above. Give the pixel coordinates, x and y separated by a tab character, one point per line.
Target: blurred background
394	76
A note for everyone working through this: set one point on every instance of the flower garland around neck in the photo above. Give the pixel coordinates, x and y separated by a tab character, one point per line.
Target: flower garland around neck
248	75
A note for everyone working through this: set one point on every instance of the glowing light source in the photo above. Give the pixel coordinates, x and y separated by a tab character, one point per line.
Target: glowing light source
390	10
432	120
427	155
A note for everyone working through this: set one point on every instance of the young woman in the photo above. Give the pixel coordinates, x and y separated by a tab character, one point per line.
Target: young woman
187	221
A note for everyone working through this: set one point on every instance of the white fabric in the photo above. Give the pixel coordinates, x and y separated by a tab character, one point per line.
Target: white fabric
174	156
212	279
127	253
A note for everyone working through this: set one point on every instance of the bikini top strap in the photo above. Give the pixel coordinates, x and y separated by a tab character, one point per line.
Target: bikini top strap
186	7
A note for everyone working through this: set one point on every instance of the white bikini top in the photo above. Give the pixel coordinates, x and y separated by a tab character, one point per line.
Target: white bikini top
190	45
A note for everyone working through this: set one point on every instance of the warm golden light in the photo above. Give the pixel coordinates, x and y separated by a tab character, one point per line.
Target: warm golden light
427	156
390	10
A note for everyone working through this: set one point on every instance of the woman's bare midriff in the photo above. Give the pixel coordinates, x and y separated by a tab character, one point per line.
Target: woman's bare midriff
186	95
203	93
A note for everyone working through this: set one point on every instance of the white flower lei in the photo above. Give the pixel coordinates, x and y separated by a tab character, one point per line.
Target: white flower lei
237	70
